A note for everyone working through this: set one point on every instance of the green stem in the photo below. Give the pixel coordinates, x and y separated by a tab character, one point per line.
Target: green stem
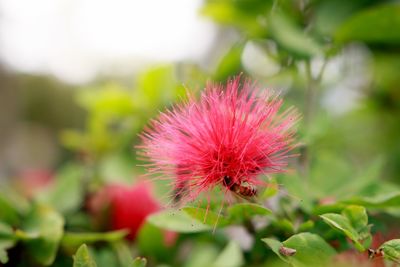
311	106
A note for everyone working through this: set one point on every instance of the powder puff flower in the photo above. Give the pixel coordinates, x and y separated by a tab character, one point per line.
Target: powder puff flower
119	206
228	138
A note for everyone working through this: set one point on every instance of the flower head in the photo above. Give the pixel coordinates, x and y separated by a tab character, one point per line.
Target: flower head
228	137
124	207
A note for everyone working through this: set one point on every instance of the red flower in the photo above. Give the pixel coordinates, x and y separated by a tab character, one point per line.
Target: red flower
128	206
228	137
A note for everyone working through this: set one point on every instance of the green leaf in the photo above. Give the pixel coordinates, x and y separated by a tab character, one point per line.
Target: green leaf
292	38
231	256
245	15
271	190
7	241
7	212
391	250
341	223
151	241
122	250
231	63
106	256
75	239
178	221
82	258
12	205
373	25
111	99
357	216
305	226
67	193
243	211
48	225
284	225
388	200
311	250
157	87
275	245
353	222
207	217
139	262
202	254
329	15
6	231
5	244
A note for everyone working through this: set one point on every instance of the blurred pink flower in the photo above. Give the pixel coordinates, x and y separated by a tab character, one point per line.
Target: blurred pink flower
126	207
229	137
32	181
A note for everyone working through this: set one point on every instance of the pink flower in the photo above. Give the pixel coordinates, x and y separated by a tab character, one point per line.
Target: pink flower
33	181
228	138
119	206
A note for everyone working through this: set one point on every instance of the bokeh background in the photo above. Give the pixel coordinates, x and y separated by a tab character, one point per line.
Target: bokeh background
80	79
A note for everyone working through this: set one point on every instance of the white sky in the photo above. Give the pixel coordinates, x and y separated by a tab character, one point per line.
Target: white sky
77	39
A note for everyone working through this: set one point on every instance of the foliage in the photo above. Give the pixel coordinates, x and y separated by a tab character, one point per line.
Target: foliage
341	198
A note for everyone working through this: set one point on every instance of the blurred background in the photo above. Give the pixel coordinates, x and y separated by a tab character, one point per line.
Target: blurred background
80	79
55	54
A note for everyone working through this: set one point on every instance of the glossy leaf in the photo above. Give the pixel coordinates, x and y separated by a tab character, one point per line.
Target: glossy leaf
357	216
178	221
342	224
311	250
243	211
353	222
391	250
207	217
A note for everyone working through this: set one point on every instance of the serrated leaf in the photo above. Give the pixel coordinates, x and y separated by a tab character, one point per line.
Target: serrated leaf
82	258
139	262
75	239
207	217
243	211
391	250
373	25
178	221
311	250
48	225
231	256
